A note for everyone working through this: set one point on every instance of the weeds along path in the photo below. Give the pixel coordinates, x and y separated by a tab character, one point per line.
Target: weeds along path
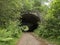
29	39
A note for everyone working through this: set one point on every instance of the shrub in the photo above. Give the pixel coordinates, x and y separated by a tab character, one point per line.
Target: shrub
50	26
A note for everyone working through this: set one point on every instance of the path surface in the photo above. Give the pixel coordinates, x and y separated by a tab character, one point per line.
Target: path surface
29	39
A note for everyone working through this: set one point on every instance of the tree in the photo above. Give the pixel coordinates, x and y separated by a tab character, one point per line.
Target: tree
50	27
9	21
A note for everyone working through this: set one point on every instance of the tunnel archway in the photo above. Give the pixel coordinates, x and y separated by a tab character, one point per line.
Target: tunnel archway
31	20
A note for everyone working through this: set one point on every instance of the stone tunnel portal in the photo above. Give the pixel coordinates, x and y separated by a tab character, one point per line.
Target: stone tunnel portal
31	21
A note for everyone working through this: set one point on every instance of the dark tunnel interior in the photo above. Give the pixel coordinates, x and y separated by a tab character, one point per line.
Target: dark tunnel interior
31	21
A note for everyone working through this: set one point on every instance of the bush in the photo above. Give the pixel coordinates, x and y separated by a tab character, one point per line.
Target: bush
9	21
50	26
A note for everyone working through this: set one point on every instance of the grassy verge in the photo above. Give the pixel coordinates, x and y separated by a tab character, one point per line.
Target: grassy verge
54	41
10	41
9	38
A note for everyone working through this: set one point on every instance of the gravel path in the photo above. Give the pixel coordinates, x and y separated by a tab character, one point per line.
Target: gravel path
29	39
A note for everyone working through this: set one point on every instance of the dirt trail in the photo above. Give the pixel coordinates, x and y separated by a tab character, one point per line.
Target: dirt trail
29	39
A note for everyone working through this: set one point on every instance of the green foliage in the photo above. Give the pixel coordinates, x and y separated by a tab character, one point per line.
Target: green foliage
30	5
9	21
9	34
10	11
9	18
50	27
53	20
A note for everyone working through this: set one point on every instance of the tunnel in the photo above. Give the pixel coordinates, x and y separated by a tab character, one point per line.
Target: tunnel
31	20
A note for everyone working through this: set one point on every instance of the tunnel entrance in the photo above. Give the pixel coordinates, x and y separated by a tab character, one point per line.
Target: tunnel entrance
31	21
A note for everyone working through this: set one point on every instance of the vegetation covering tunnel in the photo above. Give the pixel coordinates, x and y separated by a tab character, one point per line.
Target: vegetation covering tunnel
31	20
